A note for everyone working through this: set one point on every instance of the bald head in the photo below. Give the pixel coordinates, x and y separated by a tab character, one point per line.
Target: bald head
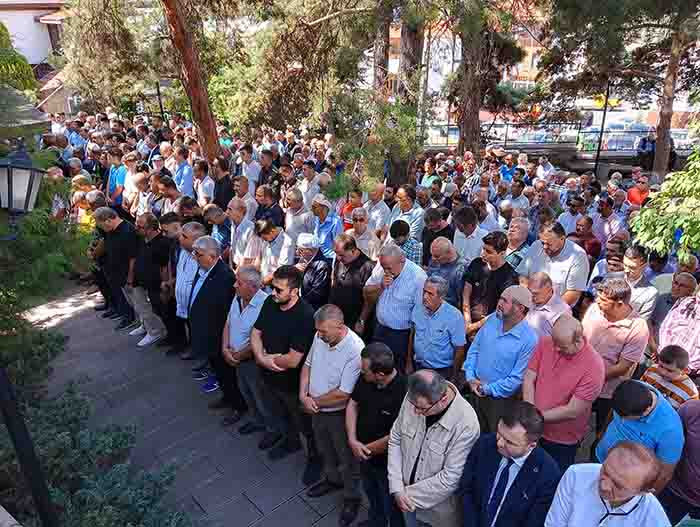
442	251
567	335
629	470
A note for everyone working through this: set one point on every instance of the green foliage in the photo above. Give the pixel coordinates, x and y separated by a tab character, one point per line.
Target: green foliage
15	71
673	211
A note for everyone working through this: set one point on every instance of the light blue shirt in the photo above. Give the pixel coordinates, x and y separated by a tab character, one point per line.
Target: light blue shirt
199	278
184	179
76	140
240	322
513	472
501	367
396	302
327	232
117	178
437	335
186	269
661	431
414	218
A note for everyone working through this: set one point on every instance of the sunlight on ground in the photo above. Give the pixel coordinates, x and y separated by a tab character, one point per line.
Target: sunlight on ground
53	313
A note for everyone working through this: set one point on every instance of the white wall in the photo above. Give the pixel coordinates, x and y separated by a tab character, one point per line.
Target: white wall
30	38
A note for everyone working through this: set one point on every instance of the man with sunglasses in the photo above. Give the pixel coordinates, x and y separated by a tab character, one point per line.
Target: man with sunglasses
428	446
614	494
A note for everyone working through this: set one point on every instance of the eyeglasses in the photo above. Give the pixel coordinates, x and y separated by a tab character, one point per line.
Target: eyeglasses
359	220
277	289
424	411
197	253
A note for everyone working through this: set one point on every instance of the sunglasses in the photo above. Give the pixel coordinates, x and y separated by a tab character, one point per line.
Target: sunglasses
277	289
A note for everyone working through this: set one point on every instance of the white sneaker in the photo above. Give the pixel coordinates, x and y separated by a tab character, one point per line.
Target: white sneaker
148	340
138	332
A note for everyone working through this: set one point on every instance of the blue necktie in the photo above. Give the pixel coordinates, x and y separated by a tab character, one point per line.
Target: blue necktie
498	492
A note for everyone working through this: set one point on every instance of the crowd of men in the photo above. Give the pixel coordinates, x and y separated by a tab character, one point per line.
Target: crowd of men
446	345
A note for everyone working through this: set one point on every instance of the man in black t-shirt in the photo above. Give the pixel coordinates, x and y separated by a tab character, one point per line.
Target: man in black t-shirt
281	338
484	281
121	245
150	268
372	409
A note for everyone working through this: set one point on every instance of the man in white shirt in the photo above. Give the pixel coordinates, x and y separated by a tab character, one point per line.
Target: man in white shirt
328	377
241	231
241	187
203	184
544	168
250	167
573	213
309	186
468	235
564	262
606	222
297	218
365	238
278	249
377	209
546	306
614	494
644	295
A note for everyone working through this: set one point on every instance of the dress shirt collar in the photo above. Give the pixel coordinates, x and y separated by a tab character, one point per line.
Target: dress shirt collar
520	461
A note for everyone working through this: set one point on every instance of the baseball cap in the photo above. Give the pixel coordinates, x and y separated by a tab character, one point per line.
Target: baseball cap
322	200
306	240
520	294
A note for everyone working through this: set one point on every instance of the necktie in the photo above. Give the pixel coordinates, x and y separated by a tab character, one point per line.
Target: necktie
194	284
498	492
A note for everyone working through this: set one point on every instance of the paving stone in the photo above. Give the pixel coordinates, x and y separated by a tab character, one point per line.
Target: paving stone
190	475
332	518
239	513
324	504
284	483
238	476
294	513
198	444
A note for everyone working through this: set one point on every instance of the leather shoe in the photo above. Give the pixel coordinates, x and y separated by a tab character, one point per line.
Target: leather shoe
350	510
322	488
187	355
268	440
107	313
231	419
125	323
114	316
219	404
312	471
250	427
100	307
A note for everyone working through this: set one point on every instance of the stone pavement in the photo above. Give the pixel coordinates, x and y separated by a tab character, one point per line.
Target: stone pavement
223	479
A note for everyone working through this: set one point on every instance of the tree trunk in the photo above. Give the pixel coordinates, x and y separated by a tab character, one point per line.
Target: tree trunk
471	95
192	77
381	46
663	128
411	58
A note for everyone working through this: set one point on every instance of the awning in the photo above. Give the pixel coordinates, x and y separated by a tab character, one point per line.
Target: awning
55	17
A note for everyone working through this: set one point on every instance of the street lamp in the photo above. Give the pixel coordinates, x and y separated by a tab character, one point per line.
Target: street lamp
19	183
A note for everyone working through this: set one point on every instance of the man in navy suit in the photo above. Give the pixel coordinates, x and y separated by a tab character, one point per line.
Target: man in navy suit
508	480
210	299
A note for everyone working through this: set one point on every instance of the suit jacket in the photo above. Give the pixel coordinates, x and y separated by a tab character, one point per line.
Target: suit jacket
528	498
208	312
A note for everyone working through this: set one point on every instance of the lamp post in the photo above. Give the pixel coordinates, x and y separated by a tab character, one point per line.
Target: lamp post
19	186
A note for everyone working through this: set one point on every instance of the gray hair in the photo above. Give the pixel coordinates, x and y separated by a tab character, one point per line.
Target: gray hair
105	214
250	274
75	162
617	289
238	204
428	384
96	197
295	194
194	229
440	283
360	212
541	278
329	312
207	244
392	250
524	221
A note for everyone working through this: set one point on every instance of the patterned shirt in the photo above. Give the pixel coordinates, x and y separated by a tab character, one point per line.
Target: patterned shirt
676	392
682	326
186	269
413	249
397	301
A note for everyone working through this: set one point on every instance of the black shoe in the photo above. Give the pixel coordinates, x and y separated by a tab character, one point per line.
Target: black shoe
101	307
350	510
268	440
312	471
283	449
114	316
322	488
164	343
107	313
219	404
125	323
231	419
187	355
250	428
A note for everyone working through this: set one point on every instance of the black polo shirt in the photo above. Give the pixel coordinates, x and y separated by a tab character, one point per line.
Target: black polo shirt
348	281
377	409
152	256
121	245
223	192
430	236
273	213
487	286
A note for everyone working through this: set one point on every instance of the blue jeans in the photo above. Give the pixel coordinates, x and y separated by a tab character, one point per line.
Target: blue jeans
564	455
676	507
382	508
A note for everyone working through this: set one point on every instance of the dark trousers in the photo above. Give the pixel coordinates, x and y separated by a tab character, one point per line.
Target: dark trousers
339	464
382	507
292	420
101	283
121	305
397	340
603	412
228	381
489	410
564	455
676	507
176	326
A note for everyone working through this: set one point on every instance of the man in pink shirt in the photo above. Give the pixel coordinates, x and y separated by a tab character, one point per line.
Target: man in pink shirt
564	377
547	307
619	335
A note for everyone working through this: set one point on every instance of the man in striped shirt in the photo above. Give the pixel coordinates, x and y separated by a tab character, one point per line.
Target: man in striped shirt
669	377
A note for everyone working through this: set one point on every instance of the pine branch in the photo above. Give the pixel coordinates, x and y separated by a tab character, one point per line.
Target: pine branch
342	12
